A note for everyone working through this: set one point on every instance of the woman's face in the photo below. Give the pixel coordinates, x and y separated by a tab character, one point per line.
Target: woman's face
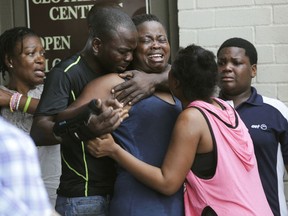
153	49
28	61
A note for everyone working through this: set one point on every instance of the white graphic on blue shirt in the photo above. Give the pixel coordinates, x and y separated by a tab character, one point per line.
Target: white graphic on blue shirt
258	126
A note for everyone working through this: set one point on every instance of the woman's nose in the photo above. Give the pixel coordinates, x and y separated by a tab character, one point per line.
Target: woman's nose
40	58
155	44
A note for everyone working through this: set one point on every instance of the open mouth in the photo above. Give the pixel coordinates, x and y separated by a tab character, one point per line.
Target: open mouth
156	57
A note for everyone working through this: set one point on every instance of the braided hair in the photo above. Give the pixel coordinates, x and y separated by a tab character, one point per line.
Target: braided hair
8	42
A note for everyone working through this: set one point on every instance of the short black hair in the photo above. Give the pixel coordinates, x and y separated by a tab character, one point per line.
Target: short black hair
249	48
141	18
196	70
8	41
103	19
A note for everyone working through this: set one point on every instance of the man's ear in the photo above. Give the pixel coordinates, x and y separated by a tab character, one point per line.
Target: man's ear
253	70
96	44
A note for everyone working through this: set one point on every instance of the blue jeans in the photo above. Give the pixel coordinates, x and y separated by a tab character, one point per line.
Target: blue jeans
83	206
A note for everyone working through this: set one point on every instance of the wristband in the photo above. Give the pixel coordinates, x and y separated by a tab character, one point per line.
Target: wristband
27	104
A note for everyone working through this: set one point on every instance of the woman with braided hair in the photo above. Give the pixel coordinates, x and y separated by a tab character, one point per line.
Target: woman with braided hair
22	57
15	55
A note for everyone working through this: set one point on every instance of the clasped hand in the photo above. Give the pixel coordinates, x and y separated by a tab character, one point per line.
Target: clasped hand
111	114
102	146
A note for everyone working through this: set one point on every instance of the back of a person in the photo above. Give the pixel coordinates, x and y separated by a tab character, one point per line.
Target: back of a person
235	188
146	134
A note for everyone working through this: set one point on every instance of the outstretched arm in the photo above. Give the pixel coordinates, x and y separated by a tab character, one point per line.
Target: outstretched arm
140	85
42	131
177	162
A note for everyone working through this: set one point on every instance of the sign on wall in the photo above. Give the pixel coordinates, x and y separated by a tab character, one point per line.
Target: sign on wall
62	24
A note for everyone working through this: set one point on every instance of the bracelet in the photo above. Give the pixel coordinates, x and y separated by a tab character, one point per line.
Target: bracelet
27	104
10	103
18	101
14	101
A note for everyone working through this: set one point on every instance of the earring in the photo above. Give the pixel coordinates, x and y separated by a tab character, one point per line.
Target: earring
11	66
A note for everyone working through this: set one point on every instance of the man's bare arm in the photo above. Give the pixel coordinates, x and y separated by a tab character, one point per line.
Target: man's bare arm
42	131
140	85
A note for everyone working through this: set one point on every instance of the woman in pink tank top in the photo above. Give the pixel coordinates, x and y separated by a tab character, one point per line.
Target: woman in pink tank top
210	149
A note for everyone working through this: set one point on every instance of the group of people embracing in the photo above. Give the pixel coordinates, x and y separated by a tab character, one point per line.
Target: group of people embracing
138	136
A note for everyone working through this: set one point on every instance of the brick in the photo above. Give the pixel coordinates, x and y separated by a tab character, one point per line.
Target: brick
186	4
244	17
280	14
187	37
272	73
265	54
212	49
261	2
222	3
196	19
215	37
283	92
271	34
281	53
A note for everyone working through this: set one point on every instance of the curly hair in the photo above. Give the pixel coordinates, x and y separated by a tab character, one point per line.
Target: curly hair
196	70
8	42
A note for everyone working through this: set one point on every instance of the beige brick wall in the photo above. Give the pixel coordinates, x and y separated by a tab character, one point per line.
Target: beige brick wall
263	22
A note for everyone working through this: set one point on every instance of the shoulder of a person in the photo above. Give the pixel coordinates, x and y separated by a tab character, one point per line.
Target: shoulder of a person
110	79
66	63
277	104
274	102
191	114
